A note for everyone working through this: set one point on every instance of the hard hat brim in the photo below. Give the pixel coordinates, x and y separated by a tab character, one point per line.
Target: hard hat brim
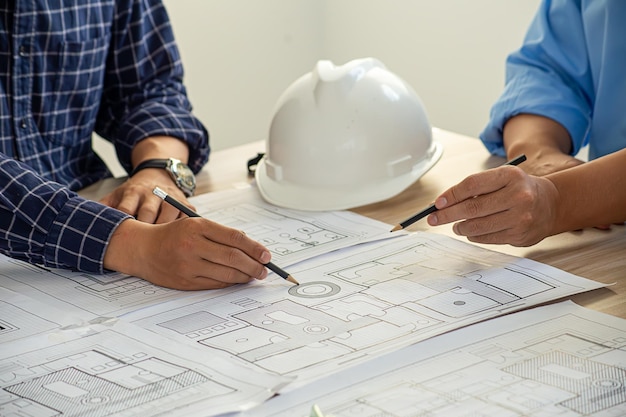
298	197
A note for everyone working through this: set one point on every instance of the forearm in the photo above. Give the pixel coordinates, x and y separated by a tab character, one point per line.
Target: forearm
534	135
123	251
149	100
160	147
591	194
45	223
545	143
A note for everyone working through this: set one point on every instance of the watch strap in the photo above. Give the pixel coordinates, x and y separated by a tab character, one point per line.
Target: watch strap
150	163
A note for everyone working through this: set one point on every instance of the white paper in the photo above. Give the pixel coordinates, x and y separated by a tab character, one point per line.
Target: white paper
109	367
557	360
356	304
290	236
364	292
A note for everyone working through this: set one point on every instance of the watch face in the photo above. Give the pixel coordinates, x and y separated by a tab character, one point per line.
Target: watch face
184	177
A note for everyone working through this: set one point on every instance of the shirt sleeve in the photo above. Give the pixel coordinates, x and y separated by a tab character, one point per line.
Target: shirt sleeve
549	76
43	222
143	93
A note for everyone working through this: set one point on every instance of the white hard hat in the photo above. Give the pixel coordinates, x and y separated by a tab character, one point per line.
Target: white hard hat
345	136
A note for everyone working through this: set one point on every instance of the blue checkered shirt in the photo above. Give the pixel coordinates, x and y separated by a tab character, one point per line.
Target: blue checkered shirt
67	69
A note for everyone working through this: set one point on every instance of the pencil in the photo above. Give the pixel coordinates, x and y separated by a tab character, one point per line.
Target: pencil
189	212
431	209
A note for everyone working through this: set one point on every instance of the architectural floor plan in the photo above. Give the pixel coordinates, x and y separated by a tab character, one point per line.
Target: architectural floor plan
558	360
76	344
358	303
290	236
108	367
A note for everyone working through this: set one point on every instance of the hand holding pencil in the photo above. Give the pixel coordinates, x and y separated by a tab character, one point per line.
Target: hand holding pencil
186	210
503	205
433	207
186	254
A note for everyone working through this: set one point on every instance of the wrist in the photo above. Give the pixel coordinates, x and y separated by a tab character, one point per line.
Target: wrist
178	172
552	207
160	147
122	252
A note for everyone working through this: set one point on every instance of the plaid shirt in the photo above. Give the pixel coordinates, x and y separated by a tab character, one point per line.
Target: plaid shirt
67	69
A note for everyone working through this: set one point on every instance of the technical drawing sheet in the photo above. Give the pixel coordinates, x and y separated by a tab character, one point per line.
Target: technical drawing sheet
22	317
291	237
358	303
107	367
557	360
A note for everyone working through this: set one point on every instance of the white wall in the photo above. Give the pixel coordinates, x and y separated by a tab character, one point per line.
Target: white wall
240	55
451	51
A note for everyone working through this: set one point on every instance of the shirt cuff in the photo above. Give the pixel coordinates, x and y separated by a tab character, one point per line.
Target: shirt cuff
80	234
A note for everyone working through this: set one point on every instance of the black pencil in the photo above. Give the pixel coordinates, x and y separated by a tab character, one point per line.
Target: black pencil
432	208
189	212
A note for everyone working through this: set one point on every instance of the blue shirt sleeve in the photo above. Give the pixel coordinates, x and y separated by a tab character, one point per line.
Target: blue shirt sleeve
549	75
143	93
43	222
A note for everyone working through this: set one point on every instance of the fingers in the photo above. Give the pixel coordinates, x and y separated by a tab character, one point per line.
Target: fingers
236	239
235	257
109	200
214	276
504	237
135	197
503	205
480	226
195	253
499	228
478	195
135	201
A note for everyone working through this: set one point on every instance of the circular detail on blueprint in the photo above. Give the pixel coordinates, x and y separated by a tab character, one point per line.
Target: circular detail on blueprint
315	289
316	329
100	399
607	383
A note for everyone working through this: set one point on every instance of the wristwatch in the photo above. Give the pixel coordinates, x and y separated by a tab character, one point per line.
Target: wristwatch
179	171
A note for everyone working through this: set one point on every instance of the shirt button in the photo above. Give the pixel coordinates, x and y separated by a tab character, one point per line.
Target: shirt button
23	124
23	51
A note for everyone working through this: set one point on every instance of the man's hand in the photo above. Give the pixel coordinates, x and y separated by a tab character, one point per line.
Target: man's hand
135	197
546	144
186	254
500	205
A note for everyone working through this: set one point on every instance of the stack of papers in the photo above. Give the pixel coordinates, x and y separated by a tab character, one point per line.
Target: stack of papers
74	344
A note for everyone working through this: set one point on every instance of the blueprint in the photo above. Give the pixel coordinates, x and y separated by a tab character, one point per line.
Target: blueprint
359	303
557	360
106	367
291	237
21	317
76	344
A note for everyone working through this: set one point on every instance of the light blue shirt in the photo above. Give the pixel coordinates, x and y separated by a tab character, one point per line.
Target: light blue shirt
572	69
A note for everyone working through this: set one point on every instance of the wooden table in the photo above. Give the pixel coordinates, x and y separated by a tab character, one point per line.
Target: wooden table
595	254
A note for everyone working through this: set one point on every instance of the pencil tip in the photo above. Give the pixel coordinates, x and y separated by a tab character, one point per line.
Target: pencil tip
396	227
292	280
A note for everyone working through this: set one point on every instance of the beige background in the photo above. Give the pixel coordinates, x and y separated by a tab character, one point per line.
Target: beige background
240	55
